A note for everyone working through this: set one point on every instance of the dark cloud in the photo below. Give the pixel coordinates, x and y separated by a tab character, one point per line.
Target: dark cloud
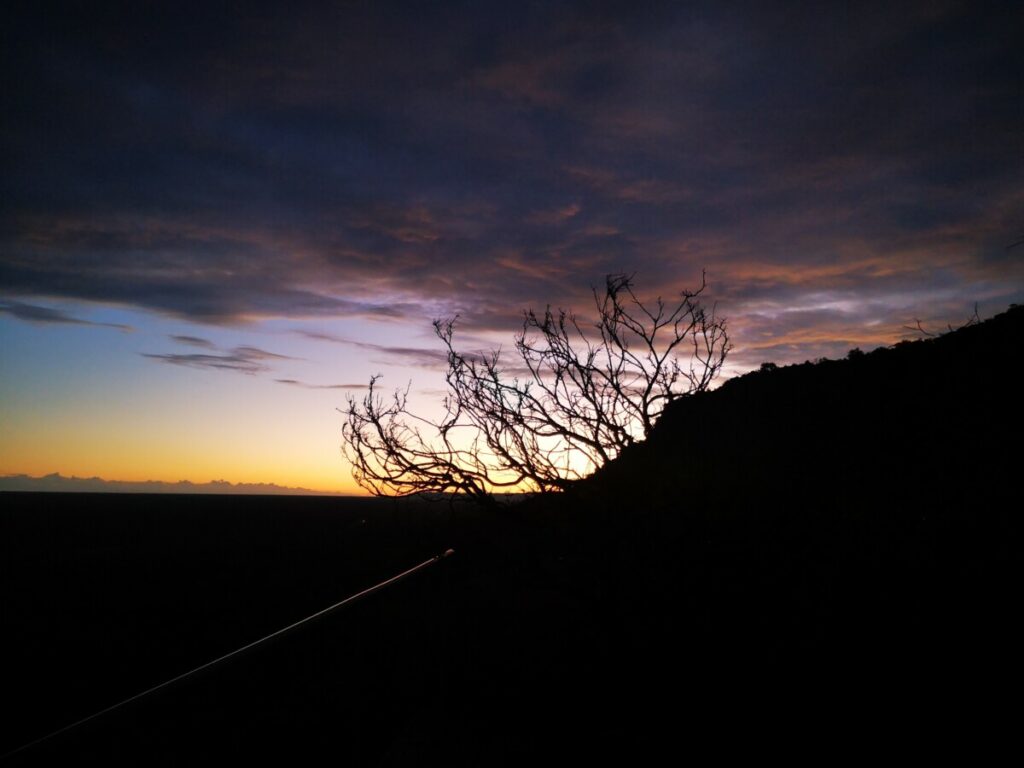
243	359
194	341
33	313
414	356
373	160
424	358
176	268
471	347
255	353
319	336
305	385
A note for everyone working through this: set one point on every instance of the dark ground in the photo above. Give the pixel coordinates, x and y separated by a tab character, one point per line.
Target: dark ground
818	562
107	595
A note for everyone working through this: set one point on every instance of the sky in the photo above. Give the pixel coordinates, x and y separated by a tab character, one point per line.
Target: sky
218	220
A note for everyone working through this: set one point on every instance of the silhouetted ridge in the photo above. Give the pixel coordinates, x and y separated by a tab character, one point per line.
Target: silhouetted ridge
929	416
842	531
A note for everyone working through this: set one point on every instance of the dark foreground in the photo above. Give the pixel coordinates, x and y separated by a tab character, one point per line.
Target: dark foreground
106	595
818	562
531	643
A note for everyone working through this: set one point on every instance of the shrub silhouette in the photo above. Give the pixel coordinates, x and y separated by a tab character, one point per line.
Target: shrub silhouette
580	398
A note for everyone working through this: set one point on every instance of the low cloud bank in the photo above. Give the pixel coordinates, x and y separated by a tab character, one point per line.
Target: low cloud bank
58	483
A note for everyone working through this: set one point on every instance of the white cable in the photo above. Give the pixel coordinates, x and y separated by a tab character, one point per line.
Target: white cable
226	656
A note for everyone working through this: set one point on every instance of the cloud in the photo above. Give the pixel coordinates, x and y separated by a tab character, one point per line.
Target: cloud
518	158
319	336
57	483
473	348
193	341
243	359
304	385
255	353
414	356
32	313
209	275
555	216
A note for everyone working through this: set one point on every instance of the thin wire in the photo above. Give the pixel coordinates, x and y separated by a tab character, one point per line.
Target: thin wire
226	656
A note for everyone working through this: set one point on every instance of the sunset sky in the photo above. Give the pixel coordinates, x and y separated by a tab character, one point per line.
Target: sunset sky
218	220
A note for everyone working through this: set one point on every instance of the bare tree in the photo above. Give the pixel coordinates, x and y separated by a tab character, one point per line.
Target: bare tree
580	394
974	319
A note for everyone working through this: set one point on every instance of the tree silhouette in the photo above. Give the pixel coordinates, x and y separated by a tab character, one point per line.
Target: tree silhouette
577	399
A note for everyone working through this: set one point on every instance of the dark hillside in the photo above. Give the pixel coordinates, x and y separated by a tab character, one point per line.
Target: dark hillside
819	552
924	418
